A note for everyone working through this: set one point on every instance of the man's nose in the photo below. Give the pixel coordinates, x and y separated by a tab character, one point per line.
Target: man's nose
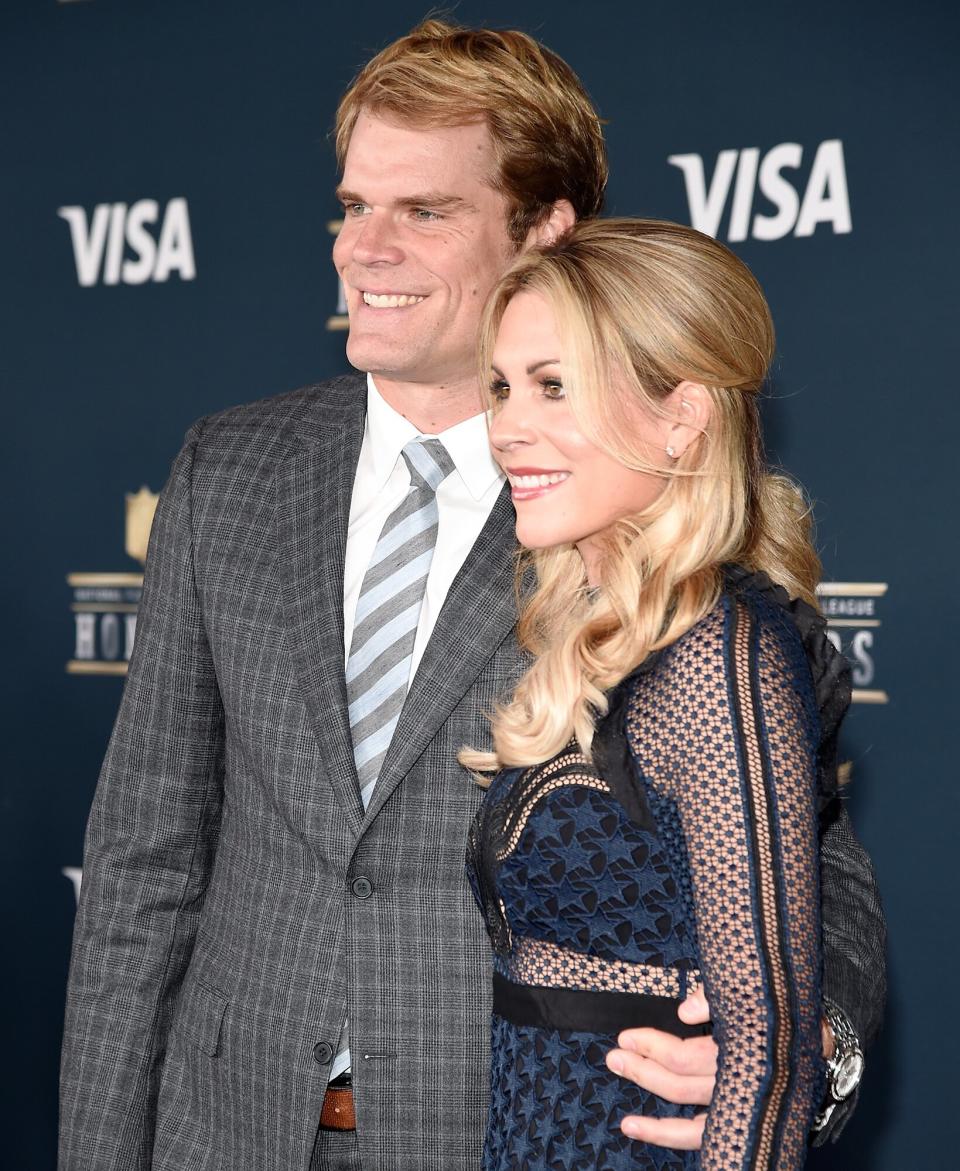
376	240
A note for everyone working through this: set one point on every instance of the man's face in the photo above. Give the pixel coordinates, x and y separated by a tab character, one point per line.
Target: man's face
424	239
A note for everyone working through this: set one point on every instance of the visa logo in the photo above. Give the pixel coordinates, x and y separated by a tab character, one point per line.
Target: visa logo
824	198
116	245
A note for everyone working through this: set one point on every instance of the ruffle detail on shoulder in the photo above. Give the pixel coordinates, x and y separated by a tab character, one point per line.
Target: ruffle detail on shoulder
831	672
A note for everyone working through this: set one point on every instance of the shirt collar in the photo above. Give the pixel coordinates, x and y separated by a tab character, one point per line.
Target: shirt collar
467	442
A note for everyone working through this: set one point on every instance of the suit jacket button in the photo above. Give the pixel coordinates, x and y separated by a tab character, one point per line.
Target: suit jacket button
322	1053
362	887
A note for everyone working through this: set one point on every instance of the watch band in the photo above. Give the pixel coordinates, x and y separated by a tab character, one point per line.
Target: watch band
845	1067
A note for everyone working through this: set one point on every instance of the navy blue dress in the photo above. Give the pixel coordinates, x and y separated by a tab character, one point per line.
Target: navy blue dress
684	853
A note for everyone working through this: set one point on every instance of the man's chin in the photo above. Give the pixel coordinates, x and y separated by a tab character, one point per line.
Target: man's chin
369	358
381	362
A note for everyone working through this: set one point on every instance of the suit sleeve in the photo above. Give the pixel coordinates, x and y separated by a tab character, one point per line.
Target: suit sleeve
854	941
150	845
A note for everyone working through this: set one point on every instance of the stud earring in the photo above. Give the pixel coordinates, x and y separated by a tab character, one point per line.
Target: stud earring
671	453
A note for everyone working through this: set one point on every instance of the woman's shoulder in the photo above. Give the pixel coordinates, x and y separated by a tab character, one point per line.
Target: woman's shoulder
705	644
792	622
787	633
769	603
792	627
795	624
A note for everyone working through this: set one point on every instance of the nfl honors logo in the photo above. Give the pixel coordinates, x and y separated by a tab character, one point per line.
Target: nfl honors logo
105	605
853	613
105	614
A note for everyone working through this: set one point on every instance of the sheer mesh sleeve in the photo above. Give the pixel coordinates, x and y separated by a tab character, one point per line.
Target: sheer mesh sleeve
725	734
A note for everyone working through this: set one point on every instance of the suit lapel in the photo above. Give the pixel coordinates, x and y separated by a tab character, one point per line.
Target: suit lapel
478	614
314	487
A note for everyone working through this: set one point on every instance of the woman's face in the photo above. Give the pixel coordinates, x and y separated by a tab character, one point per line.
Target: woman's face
565	488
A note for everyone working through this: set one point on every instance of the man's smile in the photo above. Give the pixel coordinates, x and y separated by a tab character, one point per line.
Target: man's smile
390	300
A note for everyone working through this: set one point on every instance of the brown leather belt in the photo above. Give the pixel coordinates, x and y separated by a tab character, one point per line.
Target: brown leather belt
337	1111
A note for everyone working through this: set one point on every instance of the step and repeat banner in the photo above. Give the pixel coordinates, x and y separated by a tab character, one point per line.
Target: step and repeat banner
167	217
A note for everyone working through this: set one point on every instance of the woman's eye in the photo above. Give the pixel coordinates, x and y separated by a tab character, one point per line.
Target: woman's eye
552	388
499	390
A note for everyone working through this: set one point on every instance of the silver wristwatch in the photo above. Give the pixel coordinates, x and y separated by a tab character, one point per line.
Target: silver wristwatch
845	1067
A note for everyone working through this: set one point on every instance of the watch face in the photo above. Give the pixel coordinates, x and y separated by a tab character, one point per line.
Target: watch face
848	1075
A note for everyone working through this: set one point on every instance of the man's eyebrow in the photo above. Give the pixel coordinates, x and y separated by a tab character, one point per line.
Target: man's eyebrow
430	199
342	195
436	201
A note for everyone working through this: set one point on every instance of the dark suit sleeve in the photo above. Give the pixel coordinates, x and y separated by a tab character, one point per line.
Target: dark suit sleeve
854	940
150	844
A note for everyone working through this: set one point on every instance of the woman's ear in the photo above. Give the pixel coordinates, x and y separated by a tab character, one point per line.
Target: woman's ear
687	408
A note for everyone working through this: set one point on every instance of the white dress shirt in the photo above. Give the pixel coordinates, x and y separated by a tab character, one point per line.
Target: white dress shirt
464	501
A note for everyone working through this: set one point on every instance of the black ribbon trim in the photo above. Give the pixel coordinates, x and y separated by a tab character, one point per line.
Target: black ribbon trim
581	1011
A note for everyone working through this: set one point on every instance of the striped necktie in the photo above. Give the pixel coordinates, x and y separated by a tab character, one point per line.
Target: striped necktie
385	624
388	611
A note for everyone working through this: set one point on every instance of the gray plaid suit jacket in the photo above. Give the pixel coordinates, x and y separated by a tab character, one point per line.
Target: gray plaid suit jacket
222	933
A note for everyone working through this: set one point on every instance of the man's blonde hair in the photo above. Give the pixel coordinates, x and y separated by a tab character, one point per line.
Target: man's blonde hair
547	137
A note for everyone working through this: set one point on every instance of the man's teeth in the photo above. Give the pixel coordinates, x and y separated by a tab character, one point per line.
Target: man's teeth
390	300
544	480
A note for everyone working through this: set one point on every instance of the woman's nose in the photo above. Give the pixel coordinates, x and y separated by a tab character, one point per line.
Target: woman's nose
510	426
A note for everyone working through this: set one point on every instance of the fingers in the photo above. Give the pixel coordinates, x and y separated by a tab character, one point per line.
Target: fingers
827	1038
683	1089
681	1134
680	1070
693	1056
694	1010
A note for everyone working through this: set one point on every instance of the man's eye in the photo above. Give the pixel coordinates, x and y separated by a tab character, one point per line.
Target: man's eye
424	214
499	390
553	388
354	209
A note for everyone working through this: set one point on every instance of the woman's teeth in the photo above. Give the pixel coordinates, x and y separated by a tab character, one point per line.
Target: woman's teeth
390	300
544	480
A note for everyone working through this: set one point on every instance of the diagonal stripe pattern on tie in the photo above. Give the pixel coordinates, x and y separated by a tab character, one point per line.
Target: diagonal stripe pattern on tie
385	624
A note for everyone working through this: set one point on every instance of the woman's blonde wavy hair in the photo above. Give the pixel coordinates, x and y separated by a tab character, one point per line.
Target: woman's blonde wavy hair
643	305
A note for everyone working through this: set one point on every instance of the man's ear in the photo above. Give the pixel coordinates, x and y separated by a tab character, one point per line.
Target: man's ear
561	219
688	408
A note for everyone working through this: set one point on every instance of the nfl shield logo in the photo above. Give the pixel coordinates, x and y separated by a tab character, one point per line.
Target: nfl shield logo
140	509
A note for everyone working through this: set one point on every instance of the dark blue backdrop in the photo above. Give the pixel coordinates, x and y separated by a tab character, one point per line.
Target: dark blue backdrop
227	107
